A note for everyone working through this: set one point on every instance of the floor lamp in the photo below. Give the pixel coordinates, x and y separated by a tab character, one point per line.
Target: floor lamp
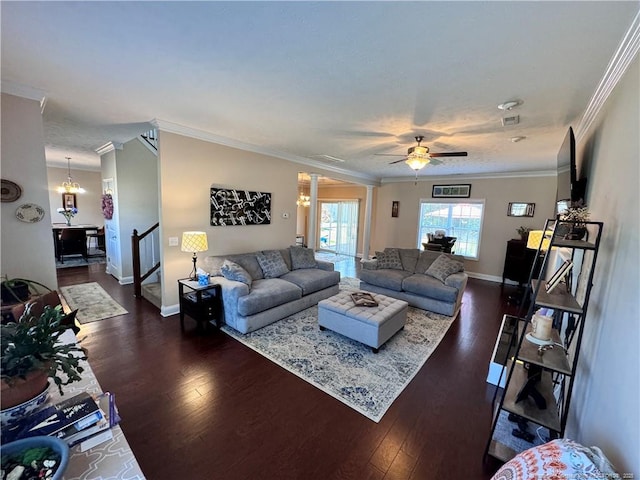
194	242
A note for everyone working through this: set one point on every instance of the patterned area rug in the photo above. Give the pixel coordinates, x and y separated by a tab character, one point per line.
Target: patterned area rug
78	261
332	257
92	302
347	370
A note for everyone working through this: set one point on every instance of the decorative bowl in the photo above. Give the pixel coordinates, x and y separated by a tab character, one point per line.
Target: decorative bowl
55	444
11	415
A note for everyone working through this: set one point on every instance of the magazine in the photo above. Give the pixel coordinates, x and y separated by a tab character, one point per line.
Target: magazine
363	299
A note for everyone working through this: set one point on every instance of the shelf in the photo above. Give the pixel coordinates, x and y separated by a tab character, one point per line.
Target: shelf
527	408
581	244
500	451
553	359
559	299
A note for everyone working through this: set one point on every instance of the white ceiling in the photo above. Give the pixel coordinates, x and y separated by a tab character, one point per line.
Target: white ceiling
304	79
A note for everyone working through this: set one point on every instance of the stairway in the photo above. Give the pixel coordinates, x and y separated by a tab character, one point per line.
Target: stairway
152	292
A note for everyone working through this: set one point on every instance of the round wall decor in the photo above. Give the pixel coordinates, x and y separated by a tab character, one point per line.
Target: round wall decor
10	191
30	213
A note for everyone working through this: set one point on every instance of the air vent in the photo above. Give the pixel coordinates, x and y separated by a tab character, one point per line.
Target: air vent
508	121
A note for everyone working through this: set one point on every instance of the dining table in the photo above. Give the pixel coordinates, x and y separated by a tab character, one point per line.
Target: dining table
57	229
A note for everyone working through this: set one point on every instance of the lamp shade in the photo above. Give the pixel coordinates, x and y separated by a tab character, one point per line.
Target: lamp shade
416	163
194	242
537	237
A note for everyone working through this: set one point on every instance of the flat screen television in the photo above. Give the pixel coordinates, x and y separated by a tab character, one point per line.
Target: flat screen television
570	188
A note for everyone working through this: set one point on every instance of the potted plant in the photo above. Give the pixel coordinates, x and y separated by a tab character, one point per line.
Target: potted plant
523	232
575	217
32	353
17	290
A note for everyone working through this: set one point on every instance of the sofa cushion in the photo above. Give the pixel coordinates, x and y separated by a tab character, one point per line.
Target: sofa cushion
391	279
249	262
312	279
272	263
267	293
389	259
286	256
444	266
427	257
302	257
212	265
232	271
430	287
409	258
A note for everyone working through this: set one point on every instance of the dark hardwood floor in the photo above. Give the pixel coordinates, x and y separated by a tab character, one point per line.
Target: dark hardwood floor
205	406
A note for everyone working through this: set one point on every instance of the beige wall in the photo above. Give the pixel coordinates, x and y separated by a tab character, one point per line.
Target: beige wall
88	203
188	168
497	228
27	248
604	409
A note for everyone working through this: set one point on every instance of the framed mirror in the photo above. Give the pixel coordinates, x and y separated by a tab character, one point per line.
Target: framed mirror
520	209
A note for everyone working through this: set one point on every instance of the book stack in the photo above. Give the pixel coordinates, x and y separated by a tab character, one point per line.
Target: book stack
83	420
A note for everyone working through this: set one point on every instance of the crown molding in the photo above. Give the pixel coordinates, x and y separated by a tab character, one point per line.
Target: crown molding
477	176
25	91
625	54
108	147
170	127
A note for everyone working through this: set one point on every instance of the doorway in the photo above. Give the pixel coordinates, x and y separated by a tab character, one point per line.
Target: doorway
338	232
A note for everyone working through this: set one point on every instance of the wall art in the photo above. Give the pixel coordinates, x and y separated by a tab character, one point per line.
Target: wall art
239	207
451	191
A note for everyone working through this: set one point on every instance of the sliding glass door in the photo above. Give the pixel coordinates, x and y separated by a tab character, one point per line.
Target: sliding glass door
338	226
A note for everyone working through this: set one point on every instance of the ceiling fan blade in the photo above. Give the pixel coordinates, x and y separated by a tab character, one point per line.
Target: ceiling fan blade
433	161
398	161
448	154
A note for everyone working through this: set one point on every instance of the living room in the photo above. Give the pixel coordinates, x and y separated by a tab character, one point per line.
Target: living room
605	399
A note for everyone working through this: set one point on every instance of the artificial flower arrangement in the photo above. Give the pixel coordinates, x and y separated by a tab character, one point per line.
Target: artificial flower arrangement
68	213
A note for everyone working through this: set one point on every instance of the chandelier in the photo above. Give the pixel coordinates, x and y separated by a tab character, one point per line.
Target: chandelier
303	200
70	186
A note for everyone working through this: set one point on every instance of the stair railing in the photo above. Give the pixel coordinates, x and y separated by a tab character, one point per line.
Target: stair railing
151	137
146	256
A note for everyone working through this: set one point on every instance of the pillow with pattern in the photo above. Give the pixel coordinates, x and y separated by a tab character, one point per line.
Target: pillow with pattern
443	266
302	257
232	271
272	263
390	258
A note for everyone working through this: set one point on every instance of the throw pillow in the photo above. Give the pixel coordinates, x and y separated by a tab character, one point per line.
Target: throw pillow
272	263
302	257
443	267
213	266
390	259
232	271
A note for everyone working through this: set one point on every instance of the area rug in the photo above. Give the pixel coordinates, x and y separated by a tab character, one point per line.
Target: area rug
80	262
347	370
92	302
332	257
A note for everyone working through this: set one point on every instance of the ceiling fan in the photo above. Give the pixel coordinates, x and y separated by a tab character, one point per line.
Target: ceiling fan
419	156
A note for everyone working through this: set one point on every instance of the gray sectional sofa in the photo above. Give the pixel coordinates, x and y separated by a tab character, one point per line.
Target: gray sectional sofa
428	280
262	287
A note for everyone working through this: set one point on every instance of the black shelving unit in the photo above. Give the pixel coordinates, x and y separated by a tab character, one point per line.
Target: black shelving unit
550	370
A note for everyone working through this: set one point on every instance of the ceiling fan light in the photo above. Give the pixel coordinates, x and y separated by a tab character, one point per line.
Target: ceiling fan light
416	163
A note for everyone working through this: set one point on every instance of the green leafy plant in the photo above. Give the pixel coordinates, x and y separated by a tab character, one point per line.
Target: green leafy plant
32	344
15	289
523	231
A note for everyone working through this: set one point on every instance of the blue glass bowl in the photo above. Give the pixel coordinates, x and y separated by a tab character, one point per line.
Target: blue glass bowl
57	445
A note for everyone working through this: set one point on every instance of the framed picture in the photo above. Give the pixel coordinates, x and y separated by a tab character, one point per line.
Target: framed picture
69	200
557	277
451	191
231	207
521	209
395	205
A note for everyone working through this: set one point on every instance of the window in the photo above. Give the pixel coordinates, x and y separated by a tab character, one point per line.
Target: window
462	220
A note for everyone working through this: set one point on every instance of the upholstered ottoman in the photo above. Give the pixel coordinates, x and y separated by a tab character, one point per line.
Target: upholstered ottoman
372	326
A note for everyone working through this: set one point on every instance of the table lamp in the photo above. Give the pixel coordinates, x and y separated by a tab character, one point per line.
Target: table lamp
539	239
194	242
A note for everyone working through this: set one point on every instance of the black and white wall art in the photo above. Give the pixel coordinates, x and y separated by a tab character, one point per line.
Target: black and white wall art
239	207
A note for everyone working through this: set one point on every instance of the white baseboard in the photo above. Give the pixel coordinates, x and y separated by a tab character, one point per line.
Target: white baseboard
125	280
167	311
490	278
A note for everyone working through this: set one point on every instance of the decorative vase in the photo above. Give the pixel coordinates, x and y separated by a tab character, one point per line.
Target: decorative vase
576	233
23	389
68	222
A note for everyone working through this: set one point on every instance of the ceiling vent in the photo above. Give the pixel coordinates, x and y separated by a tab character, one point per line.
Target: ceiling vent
508	121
